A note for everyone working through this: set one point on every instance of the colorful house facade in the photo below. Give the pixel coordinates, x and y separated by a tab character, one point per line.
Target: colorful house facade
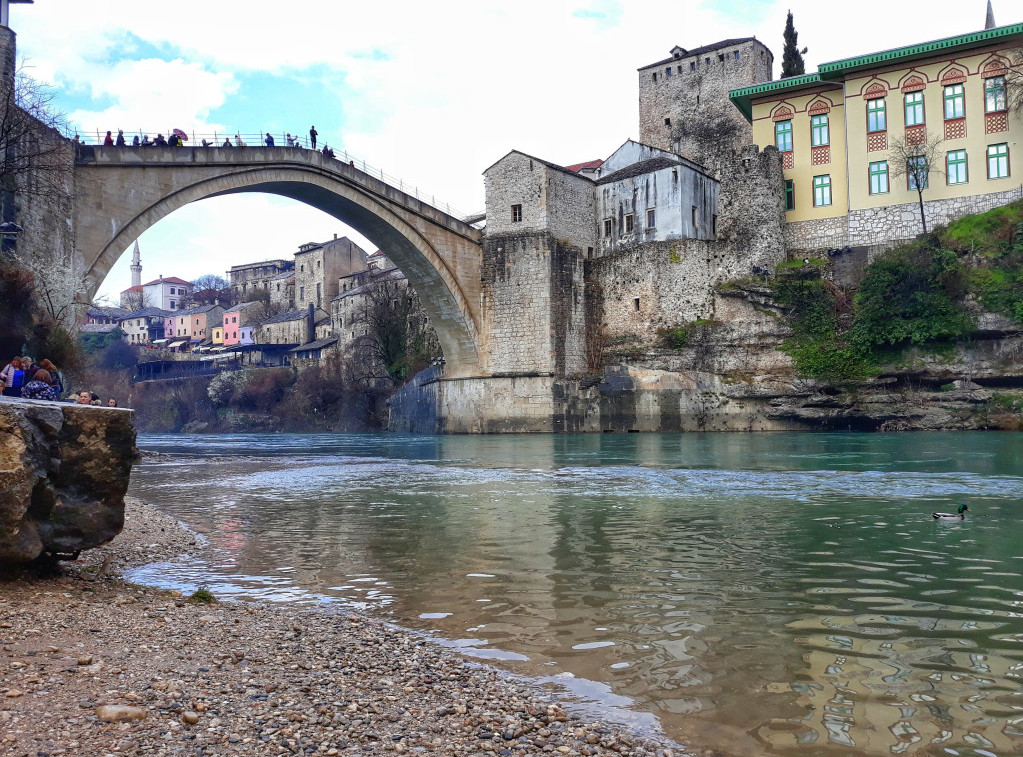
844	132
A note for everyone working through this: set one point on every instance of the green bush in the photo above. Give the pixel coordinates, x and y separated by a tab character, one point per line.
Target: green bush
911	295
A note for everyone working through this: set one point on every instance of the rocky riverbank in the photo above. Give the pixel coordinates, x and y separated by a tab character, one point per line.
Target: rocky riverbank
93	665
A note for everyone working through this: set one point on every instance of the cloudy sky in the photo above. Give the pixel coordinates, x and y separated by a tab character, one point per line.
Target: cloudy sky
432	92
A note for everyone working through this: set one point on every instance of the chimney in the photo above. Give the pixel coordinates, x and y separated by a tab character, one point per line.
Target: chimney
312	324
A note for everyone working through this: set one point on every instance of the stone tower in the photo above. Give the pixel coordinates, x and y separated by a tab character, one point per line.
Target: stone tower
683	100
136	266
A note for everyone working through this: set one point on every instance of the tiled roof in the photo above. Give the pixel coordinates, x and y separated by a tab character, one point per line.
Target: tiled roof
638	169
147	313
291	315
700	51
168	280
588	164
318	344
137	288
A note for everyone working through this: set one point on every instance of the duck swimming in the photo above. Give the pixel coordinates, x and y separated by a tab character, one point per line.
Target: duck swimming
960	514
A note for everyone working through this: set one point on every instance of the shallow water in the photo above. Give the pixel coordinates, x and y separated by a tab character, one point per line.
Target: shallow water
776	593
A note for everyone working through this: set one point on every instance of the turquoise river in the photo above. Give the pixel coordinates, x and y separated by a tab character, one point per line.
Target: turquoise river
785	594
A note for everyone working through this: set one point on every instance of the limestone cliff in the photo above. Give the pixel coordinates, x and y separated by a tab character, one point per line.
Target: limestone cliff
64	471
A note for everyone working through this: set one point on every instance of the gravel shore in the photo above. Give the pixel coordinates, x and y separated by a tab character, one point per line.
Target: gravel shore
93	665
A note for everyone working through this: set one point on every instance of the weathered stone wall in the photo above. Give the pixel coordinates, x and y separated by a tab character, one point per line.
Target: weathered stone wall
689	111
663	284
684	200
64	470
751	207
534	306
533	302
884	227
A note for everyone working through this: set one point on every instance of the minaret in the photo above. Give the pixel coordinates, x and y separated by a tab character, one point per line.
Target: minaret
989	22
136	267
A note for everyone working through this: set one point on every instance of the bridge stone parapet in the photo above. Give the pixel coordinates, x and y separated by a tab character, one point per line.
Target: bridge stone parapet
122	191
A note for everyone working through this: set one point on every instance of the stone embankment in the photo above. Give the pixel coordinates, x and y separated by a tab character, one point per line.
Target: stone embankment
91	665
64	469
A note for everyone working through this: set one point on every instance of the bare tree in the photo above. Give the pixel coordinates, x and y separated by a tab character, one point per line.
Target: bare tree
132	300
397	340
33	148
209	289
916	160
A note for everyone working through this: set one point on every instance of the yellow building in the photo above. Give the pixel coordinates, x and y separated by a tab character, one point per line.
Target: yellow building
840	133
218	335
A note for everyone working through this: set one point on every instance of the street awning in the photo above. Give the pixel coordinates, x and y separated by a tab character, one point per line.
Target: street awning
175	345
160	341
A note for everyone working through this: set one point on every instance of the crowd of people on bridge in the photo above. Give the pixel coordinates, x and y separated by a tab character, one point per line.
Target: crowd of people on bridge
178	138
23	377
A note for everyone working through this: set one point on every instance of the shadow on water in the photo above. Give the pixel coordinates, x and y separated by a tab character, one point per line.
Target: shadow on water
779	593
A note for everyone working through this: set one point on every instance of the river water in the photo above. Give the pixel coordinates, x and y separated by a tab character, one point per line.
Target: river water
780	594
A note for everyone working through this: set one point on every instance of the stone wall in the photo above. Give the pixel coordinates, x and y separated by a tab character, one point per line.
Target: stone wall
534	310
64	470
880	228
663	284
689	111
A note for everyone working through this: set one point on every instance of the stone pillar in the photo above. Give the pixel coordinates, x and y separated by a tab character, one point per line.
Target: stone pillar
8	62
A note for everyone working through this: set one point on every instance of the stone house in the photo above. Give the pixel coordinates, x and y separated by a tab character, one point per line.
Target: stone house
319	266
838	132
104	315
250	278
143	326
296	327
645	194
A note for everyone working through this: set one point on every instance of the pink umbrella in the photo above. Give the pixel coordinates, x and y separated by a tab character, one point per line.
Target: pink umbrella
180	135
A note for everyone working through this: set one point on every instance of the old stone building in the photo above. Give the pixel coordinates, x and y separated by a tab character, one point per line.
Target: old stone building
645	194
683	100
293	328
250	278
319	266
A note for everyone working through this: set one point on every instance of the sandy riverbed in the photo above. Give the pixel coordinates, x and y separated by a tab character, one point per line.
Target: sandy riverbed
93	665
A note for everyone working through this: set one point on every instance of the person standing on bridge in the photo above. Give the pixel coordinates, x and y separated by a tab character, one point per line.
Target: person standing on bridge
120	138
238	142
108	141
135	141
291	140
269	140
312	137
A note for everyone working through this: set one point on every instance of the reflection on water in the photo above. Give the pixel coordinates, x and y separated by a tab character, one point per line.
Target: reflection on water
786	593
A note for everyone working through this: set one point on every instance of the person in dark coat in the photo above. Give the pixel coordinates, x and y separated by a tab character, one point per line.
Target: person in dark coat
40	387
120	138
269	140
312	137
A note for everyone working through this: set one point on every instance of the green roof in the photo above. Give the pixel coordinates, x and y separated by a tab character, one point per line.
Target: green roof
743	98
837	68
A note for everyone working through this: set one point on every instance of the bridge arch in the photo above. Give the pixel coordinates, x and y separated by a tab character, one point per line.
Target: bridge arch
122	192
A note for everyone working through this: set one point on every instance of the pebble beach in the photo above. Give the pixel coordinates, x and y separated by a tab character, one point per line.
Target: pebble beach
91	664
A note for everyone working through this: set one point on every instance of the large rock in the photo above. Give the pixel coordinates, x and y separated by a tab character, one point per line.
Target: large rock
64	470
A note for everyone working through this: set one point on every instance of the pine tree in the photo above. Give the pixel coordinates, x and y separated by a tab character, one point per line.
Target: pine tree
792	57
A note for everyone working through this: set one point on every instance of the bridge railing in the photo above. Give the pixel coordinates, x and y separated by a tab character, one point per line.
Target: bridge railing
218	139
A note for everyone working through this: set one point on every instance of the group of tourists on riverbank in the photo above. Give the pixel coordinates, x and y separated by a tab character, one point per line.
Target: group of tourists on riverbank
23	377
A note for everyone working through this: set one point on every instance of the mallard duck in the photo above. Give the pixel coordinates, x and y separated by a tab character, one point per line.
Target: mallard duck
959	514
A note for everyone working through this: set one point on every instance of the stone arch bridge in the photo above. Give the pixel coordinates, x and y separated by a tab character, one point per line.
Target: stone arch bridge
120	192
